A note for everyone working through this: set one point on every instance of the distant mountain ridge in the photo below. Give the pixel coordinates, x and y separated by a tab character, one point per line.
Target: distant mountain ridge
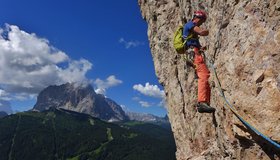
79	98
3	114
83	99
148	118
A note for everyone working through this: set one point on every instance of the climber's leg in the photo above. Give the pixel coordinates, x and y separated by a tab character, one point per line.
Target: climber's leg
203	84
204	90
203	74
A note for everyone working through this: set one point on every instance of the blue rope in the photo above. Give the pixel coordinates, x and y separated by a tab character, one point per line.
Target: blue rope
247	124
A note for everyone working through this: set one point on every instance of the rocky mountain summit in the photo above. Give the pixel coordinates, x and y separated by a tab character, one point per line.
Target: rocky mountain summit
80	98
244	44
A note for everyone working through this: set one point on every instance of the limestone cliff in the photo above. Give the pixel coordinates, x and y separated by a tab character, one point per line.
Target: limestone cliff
244	43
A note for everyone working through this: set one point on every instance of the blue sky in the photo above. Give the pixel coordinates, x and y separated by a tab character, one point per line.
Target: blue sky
46	42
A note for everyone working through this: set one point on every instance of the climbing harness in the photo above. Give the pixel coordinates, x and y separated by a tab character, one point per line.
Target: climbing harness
189	56
232	108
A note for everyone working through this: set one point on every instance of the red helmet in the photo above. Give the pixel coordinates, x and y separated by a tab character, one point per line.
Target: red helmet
200	14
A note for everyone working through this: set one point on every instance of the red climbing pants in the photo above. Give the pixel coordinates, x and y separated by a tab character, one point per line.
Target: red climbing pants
203	74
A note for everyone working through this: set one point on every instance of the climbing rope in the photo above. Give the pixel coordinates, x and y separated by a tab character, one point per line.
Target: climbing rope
232	108
228	105
218	42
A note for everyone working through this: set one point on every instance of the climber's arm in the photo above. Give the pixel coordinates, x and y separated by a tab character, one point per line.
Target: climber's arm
201	32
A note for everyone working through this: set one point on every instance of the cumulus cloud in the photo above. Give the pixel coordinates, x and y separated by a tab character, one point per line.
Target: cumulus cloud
76	71
129	44
103	85
29	63
149	90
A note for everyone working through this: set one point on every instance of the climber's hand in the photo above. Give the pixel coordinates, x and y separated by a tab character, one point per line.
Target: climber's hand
189	63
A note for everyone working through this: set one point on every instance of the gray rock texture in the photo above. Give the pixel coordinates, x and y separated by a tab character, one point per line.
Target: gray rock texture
244	43
80	98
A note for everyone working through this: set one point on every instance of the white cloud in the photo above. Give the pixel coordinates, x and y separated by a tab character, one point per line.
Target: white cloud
76	71
103	85
129	44
29	63
162	103
100	91
136	98
149	90
145	104
4	95
24	96
125	108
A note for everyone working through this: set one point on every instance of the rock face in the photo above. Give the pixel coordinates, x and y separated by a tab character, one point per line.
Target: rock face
81	99
244	43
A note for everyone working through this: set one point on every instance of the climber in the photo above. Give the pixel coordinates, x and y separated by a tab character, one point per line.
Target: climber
191	33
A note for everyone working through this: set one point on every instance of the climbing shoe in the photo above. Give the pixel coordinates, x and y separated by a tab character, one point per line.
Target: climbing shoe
205	108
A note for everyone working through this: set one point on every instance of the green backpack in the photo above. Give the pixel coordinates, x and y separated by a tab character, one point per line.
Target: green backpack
178	40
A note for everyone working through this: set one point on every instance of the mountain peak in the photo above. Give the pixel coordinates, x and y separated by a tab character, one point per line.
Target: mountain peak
80	98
